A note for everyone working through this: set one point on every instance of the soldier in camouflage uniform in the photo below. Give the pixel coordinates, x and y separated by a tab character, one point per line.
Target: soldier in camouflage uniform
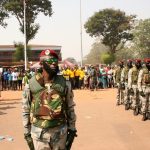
132	85
144	89
124	82
118	82
48	107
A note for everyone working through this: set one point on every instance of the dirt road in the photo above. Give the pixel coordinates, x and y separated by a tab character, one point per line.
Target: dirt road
101	124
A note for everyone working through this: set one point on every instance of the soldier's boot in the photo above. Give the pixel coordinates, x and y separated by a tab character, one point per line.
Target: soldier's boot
148	115
144	118
136	111
127	106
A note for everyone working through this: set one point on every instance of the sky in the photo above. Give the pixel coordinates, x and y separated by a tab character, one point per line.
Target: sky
63	28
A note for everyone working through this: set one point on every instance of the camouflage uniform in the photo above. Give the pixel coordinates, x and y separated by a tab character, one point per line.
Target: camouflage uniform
124	80
144	88
118	83
48	112
133	89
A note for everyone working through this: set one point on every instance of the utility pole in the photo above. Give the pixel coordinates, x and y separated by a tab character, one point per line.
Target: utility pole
25	38
81	33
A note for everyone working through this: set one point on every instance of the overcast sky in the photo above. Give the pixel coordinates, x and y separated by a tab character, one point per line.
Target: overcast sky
63	28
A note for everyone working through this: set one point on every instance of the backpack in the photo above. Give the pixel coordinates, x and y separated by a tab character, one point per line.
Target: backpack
134	75
146	76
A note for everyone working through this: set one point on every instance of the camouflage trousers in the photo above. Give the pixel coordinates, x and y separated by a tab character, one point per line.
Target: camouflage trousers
127	95
145	100
49	139
120	94
134	96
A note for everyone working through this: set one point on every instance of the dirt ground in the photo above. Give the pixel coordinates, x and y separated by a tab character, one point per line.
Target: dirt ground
101	124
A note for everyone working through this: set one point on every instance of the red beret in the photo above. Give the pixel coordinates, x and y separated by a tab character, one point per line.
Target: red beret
48	52
129	60
138	60
147	60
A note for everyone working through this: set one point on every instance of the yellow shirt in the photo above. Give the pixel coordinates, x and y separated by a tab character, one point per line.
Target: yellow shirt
71	74
66	74
77	72
82	73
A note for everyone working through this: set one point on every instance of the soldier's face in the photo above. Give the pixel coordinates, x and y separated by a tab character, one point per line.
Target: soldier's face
148	65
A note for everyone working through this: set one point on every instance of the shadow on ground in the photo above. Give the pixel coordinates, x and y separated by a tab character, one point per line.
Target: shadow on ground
6	104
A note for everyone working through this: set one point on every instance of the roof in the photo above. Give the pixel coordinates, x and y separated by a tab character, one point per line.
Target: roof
33	47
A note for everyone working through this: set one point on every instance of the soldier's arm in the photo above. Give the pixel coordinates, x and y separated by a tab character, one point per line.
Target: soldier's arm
130	79
122	75
70	111
26	102
140	80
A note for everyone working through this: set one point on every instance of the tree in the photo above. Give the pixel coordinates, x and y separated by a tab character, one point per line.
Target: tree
3	16
107	58
33	9
111	26
94	56
19	53
142	38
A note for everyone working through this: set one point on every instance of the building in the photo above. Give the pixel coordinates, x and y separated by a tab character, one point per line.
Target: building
7	52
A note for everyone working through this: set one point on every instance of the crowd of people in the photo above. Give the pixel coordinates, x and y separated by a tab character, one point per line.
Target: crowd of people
133	82
90	76
87	77
14	78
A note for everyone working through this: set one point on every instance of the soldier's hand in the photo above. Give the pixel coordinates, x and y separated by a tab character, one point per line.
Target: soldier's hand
70	137
29	140
141	93
131	91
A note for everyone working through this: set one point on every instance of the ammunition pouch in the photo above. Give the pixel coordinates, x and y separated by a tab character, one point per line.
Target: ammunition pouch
122	86
131	91
142	93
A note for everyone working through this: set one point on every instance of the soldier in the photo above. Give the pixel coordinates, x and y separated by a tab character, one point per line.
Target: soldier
118	82
48	108
144	89
132	85
124	82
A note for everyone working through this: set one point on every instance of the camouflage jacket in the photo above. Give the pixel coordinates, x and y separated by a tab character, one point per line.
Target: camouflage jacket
28	99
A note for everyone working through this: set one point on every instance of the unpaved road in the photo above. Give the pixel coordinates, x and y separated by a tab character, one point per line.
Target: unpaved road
101	124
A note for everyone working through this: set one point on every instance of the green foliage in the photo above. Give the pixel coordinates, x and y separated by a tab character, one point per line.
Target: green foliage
94	56
3	15
33	9
142	38
107	58
19	53
126	53
111	26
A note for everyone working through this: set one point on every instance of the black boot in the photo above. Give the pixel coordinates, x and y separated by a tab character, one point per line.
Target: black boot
144	117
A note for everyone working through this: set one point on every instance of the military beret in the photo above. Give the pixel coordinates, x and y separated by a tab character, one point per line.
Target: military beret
147	60
138	60
47	53
129	60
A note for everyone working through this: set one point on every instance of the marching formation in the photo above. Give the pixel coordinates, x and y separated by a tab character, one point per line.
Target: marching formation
133	83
